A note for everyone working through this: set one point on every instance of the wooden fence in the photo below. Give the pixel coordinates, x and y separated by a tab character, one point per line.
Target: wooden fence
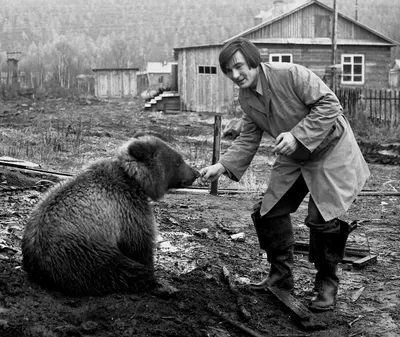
380	106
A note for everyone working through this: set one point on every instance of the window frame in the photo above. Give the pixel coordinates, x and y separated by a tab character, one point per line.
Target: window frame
280	55
207	70
352	74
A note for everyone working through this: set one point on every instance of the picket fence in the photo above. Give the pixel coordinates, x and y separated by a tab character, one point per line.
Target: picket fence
381	106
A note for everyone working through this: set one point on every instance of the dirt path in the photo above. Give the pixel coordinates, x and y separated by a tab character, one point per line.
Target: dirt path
196	230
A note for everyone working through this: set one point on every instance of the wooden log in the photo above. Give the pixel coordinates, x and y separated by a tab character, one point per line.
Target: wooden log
245	314
237	325
304	316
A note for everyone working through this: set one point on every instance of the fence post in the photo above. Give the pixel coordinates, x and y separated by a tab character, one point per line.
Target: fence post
380	106
390	109
216	149
385	106
370	104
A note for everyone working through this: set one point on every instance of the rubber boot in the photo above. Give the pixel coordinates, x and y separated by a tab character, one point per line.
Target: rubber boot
275	236
326	252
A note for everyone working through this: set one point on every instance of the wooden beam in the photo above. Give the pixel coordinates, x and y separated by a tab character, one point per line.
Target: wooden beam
304	316
216	149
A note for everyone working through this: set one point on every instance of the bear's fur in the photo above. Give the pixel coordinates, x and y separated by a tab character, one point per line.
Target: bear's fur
95	233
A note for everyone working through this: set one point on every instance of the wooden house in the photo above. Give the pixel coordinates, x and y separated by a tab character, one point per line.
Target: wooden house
298	32
157	76
115	82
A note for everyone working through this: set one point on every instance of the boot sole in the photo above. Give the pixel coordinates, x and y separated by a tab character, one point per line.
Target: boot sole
321	309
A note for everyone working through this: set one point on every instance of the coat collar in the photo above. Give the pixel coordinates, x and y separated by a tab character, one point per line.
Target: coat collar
251	99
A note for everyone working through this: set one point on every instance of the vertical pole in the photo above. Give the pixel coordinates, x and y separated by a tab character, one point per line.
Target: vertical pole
334	45
390	108
216	149
356	10
370	105
380	106
385	105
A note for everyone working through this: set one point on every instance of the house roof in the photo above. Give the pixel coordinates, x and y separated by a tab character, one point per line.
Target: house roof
319	41
395	65
159	67
115	69
299	5
291	8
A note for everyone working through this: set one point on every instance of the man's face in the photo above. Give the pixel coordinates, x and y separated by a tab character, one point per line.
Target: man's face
240	73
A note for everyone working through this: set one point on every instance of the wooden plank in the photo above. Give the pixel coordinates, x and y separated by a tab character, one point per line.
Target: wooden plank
370	259
305	317
10	161
302	246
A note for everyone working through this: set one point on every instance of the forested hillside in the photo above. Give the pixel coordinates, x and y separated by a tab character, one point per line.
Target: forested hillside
61	38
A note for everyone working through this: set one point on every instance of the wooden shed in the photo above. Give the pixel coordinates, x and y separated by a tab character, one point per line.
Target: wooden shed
115	82
300	33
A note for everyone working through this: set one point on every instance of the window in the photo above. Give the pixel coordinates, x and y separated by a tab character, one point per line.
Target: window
353	69
207	70
161	80
280	58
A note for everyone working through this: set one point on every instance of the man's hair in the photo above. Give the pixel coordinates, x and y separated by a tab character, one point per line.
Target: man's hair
248	49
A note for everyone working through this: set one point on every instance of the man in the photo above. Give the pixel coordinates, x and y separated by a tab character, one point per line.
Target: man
317	153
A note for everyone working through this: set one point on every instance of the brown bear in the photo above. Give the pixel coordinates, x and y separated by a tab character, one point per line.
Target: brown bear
95	233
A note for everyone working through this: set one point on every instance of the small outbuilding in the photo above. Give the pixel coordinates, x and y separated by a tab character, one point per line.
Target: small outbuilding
394	75
115	82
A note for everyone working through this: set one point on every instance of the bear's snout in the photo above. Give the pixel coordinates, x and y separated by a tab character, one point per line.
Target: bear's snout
189	176
196	174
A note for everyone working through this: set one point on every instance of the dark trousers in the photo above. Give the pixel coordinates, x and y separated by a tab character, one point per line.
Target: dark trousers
291	201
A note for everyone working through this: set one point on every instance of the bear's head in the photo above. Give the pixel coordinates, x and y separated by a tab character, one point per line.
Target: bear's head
155	165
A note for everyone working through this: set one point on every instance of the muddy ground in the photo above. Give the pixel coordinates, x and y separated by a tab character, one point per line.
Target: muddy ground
197	245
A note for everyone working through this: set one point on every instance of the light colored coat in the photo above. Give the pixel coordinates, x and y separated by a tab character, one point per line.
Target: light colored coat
296	100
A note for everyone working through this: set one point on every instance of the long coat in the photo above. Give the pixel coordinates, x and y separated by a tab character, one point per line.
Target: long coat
297	100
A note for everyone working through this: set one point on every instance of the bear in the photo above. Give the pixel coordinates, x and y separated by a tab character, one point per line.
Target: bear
95	233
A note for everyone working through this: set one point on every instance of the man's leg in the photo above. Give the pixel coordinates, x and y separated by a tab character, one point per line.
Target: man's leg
275	235
327	246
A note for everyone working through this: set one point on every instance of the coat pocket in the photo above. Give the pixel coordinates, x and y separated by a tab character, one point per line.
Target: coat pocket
331	139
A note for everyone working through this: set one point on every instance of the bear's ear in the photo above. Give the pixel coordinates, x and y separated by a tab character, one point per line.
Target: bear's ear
141	150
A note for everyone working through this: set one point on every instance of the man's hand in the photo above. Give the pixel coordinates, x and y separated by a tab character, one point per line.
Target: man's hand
212	173
285	144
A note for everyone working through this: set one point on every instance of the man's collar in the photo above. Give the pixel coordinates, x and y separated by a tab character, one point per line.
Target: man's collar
258	89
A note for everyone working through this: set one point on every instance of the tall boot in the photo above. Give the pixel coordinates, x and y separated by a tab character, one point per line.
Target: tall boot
275	236
326	252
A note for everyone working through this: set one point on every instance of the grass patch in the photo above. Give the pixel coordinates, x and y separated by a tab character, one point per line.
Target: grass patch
65	136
